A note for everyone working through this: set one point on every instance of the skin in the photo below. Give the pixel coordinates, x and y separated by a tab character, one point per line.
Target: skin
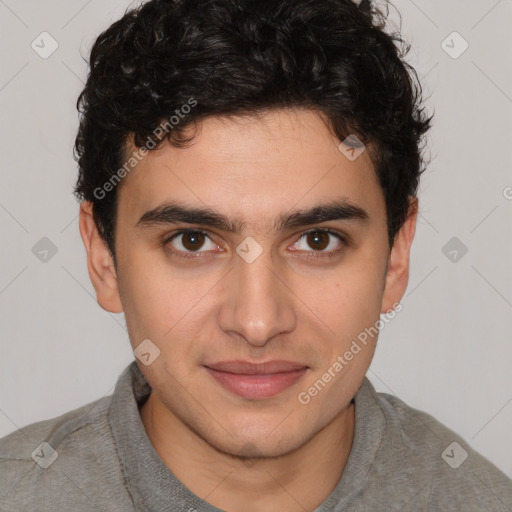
218	307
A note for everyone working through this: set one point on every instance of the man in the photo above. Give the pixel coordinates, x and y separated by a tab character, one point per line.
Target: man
248	177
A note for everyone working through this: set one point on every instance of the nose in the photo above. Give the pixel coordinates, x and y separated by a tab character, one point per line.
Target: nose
257	304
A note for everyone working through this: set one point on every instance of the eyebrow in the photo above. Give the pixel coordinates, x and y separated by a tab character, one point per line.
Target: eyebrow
173	213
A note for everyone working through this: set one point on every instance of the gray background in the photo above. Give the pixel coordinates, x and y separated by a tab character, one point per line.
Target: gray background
448	352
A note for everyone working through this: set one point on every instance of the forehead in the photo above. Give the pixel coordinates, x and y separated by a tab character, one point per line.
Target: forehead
253	169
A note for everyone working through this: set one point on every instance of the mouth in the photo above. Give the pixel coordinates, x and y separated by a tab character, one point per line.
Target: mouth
256	380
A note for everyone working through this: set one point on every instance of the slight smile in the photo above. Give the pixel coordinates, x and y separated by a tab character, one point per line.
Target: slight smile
256	380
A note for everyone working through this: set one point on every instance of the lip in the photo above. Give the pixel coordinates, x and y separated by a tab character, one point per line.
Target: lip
256	380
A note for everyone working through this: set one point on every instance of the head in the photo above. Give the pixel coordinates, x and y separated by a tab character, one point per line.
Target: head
236	120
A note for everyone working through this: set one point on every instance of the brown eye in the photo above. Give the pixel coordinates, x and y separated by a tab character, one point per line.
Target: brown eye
190	241
321	243
318	240
193	240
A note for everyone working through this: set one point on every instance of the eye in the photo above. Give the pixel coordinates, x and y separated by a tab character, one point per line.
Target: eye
322	243
189	241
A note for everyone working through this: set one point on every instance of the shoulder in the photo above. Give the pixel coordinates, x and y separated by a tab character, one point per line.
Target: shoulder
19	445
443	468
59	460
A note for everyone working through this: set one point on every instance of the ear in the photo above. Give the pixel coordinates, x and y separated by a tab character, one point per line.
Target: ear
99	262
397	275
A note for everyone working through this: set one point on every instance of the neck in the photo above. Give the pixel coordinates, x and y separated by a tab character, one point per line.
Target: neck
298	481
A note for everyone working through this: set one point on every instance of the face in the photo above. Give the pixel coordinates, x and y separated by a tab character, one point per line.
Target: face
268	285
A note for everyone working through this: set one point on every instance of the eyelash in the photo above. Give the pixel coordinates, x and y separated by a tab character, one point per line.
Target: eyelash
311	254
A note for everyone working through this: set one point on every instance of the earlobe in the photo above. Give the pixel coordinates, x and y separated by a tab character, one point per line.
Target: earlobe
99	262
397	275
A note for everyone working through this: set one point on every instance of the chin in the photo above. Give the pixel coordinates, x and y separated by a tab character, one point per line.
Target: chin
263	443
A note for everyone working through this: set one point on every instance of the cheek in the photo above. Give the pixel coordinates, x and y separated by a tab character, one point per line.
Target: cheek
161	302
350	306
352	299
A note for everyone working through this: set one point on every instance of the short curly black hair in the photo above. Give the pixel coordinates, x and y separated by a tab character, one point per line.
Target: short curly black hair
234	57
